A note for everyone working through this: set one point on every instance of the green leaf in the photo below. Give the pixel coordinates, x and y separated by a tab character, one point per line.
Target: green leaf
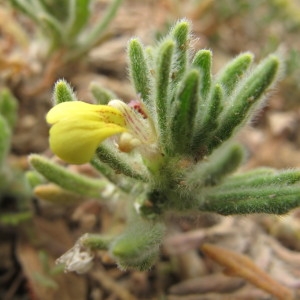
246	199
212	171
93	37
70	181
54	194
96	241
100	94
26	8
45	281
150	57
258	191
120	163
57	9
63	92
14	219
5	135
207	120
185	108
104	169
34	179
203	61
54	29
138	247
79	13
139	71
8	107
37	5
263	177
164	61
249	92
233	72
180	33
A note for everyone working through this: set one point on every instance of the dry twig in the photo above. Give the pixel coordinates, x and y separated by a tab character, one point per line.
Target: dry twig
240	265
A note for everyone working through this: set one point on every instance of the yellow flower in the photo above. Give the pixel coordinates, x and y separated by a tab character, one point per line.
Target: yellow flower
79	127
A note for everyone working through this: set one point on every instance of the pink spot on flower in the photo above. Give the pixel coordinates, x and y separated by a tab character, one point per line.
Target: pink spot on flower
138	107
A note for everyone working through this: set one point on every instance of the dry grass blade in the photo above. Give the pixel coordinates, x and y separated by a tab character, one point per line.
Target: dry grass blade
213	283
56	195
240	265
110	285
